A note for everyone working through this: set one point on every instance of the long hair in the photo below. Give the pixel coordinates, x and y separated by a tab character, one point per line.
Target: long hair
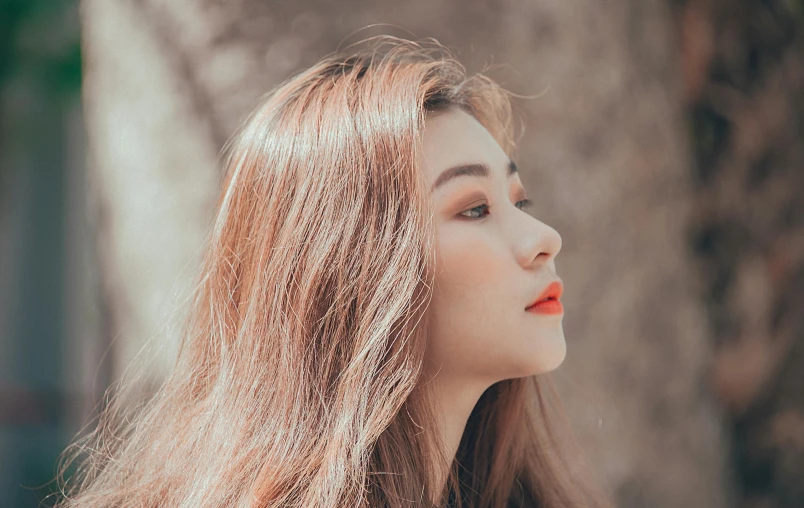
297	383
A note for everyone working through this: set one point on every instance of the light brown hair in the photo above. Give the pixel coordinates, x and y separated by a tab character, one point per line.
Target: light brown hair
297	383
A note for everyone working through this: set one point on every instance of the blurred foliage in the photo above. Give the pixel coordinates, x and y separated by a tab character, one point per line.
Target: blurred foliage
40	67
744	77
40	46
40	77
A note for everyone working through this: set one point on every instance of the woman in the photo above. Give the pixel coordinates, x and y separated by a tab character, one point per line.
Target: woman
362	332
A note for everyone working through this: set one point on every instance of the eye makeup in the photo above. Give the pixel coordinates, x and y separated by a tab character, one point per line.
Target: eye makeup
468	199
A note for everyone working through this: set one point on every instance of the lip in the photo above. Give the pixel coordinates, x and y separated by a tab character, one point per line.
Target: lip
548	302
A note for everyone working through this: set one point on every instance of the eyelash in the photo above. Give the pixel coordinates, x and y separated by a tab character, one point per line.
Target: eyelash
526	203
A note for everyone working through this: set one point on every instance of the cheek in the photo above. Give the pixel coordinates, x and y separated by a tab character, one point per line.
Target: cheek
469	261
470	269
473	303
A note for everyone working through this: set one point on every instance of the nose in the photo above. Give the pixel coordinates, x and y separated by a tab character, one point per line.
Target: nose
540	243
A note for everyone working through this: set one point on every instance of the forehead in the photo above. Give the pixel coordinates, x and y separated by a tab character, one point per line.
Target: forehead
454	137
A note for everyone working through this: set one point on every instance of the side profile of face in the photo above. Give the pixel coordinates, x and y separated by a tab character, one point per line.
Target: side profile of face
493	260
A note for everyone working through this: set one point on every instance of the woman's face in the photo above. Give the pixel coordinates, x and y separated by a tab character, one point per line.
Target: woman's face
492	262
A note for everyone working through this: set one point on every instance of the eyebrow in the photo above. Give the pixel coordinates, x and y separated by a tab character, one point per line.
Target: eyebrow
467	170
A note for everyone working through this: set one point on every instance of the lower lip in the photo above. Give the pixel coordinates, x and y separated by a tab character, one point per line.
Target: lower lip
547	307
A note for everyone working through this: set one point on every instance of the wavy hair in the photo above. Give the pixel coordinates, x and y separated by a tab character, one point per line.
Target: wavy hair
297	383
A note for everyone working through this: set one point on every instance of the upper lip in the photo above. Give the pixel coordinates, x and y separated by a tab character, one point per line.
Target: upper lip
552	291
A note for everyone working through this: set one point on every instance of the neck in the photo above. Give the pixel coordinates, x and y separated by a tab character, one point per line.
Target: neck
454	399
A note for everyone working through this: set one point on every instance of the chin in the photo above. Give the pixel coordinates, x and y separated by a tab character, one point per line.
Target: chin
548	356
557	358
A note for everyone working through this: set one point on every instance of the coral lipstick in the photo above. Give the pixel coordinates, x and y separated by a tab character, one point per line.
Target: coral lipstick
548	302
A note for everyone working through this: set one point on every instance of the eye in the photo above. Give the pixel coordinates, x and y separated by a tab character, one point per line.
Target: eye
525	203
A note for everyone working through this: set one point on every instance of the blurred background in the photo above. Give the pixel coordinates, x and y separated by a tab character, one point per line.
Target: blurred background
664	140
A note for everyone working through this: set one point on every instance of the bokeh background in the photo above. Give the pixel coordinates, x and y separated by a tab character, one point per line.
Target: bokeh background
664	140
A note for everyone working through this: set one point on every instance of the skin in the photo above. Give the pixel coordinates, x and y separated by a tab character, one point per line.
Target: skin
491	264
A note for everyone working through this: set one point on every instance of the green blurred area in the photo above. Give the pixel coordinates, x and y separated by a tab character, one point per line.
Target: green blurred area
40	80
40	47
